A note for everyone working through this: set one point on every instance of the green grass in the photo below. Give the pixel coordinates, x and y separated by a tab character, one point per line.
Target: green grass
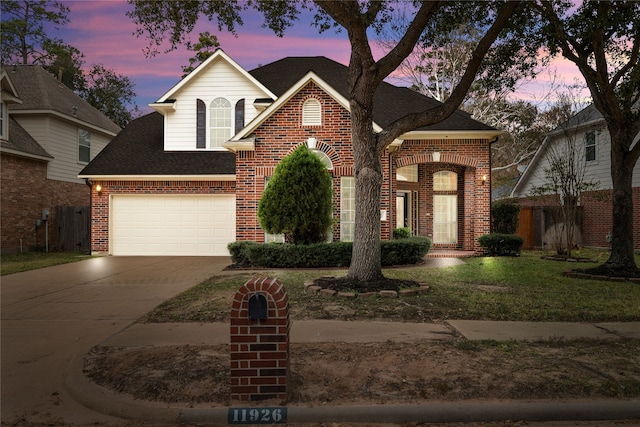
490	288
16	263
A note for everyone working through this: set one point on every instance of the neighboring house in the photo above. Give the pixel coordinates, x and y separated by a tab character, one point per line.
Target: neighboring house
48	135
187	179
589	132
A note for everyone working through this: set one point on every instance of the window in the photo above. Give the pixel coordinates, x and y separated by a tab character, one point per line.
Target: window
3	121
84	146
445	219
326	161
311	113
590	146
347	208
407	173
272	238
445	207
201	124
220	121
445	181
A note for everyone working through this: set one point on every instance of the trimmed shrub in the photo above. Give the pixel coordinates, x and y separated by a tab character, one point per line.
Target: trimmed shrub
297	201
505	215
401	233
322	255
501	244
404	251
283	255
239	252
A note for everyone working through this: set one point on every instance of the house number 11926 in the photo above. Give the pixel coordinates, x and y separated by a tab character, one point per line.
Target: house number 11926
257	416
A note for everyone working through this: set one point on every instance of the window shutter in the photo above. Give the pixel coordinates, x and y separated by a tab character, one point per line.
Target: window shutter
239	115
201	124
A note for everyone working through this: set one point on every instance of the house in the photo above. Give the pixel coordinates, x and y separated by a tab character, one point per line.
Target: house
187	178
48	135
587	132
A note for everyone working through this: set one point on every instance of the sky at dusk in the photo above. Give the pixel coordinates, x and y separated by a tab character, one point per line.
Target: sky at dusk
104	34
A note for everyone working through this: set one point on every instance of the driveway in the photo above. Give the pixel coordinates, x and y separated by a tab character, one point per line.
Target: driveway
53	314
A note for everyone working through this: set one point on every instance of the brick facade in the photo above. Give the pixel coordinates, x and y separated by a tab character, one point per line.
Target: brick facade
26	191
259	348
597	216
100	206
283	132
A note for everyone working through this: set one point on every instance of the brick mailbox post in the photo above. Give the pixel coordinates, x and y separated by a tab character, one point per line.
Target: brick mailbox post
260	341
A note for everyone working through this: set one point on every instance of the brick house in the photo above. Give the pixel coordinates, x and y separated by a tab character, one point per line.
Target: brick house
588	131
187	179
48	135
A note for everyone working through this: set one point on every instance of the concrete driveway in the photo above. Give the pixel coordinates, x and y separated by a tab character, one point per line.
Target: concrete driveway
53	314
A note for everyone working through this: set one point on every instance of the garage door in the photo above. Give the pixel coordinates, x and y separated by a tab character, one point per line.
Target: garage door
172	225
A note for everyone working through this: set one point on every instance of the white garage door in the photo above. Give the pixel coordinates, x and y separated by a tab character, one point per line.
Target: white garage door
172	225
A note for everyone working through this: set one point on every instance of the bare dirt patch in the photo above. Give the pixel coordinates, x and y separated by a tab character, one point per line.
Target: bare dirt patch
390	372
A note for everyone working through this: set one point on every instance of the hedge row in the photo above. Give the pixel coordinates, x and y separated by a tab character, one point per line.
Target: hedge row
501	244
321	255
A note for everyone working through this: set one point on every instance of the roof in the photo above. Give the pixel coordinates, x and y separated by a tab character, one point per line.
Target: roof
138	150
21	143
389	103
40	91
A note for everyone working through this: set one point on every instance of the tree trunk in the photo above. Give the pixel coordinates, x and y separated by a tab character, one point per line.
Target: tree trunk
365	259
622	164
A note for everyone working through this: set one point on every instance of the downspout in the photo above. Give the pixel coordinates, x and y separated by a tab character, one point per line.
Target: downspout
495	139
89	183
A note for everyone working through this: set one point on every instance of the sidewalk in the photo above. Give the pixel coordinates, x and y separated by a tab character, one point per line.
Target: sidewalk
309	331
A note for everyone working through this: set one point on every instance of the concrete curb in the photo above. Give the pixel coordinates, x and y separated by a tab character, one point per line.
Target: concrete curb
108	402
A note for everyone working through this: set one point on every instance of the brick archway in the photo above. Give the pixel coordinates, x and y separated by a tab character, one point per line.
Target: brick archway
452	158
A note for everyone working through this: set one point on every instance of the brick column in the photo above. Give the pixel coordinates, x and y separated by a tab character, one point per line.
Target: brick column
260	348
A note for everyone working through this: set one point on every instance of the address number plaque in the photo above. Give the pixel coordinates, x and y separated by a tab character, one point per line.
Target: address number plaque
257	415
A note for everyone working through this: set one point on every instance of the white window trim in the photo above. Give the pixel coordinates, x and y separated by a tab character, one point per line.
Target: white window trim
211	128
347	208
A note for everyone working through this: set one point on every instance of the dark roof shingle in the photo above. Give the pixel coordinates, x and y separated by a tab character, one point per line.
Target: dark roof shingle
39	90
21	141
389	103
139	150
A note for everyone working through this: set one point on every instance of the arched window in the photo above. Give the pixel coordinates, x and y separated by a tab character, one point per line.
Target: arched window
445	181
324	158
220	121
311	112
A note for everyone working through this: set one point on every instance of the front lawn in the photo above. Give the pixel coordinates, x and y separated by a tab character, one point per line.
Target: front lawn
16	263
490	288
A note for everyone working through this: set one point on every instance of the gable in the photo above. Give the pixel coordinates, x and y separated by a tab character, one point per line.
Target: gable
390	102
40	92
188	108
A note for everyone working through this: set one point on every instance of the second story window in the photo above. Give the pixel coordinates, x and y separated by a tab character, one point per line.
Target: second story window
311	113
220	122
3	121
84	146
590	146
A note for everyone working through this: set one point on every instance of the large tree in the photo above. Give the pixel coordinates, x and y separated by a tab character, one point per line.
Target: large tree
24	38
27	39
602	40
159	20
